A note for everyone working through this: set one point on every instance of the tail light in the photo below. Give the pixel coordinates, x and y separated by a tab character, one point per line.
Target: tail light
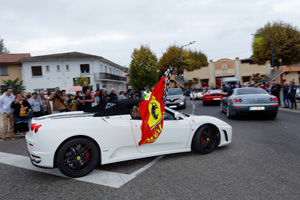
237	100
32	126
275	99
36	128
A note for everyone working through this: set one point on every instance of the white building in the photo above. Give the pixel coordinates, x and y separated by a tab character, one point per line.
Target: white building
44	73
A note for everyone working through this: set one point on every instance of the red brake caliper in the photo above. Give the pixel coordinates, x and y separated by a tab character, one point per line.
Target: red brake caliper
87	155
202	139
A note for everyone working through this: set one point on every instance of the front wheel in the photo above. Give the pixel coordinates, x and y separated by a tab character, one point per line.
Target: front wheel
205	140
77	157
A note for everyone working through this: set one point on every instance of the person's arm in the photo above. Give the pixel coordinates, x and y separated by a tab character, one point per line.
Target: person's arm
83	99
68	106
52	96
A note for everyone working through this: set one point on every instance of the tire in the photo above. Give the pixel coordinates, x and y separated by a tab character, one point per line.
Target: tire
204	104
77	157
205	139
273	116
229	113
184	106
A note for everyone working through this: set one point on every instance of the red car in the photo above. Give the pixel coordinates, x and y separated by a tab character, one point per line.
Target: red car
213	96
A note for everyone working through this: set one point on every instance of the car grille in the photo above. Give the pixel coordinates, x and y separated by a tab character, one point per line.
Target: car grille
172	100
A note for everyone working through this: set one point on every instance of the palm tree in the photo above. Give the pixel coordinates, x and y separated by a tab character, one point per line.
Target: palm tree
16	85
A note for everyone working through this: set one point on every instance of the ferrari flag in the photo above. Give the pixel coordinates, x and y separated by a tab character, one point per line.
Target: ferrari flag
152	111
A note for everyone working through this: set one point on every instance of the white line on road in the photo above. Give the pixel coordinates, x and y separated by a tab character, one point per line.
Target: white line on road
100	177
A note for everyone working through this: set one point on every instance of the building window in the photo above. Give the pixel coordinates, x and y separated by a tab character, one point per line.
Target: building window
4	71
105	69
58	68
47	68
110	70
113	71
67	68
224	65
36	70
85	68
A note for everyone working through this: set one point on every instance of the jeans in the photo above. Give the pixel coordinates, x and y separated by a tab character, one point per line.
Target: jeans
286	101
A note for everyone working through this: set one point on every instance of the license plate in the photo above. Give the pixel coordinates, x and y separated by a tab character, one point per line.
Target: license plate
257	108
217	98
173	106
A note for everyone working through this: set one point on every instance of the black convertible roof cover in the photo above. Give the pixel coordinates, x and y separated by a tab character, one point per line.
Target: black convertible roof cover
115	107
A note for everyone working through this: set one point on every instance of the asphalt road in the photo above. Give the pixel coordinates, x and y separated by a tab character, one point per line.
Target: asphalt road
262	162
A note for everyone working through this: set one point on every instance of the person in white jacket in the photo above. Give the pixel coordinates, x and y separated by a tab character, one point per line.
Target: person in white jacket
7	113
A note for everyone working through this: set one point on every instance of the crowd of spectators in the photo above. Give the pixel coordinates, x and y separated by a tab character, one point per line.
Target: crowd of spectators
17	110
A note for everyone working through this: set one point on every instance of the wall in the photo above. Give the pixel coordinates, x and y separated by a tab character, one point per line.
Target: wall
13	72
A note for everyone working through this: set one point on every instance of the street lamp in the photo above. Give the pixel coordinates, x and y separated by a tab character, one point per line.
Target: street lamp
271	47
180	54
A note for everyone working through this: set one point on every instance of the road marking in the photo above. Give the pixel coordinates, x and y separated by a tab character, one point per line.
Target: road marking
100	177
193	107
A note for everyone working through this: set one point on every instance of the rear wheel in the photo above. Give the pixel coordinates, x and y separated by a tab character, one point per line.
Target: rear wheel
205	139
77	157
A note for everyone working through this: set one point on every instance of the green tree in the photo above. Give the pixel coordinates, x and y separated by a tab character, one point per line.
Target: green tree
143	68
190	59
79	81
286	43
3	49
16	85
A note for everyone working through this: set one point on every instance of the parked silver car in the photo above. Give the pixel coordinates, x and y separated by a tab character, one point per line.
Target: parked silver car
175	98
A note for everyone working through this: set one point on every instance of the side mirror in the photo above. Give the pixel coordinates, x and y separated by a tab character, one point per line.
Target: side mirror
176	115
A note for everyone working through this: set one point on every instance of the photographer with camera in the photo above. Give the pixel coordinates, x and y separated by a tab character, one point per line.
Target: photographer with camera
58	101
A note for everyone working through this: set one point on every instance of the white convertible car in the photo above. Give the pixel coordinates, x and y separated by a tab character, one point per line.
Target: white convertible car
76	142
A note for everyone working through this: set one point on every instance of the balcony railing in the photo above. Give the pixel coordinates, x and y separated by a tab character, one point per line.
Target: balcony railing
107	76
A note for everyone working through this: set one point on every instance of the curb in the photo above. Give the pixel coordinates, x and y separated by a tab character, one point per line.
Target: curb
289	110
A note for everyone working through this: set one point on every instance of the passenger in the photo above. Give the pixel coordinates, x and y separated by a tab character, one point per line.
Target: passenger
136	113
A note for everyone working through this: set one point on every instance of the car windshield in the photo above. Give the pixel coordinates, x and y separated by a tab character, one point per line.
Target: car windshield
215	91
176	91
245	91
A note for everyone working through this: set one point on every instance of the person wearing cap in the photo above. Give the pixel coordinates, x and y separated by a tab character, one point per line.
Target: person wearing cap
146	93
35	104
71	103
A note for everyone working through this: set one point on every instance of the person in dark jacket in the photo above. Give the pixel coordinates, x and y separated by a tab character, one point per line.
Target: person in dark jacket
21	107
286	96
275	90
292	94
113	95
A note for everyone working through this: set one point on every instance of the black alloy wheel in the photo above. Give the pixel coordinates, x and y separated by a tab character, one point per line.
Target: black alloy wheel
205	139
77	157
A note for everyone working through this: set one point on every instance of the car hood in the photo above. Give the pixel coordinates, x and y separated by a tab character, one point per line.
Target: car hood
174	96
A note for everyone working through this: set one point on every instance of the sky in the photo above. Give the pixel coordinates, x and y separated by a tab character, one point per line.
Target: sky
113	29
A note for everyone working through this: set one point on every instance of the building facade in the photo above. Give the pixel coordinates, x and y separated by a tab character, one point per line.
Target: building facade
10	67
44	73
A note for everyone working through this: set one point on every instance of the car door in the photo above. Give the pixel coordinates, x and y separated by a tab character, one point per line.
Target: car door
175	134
